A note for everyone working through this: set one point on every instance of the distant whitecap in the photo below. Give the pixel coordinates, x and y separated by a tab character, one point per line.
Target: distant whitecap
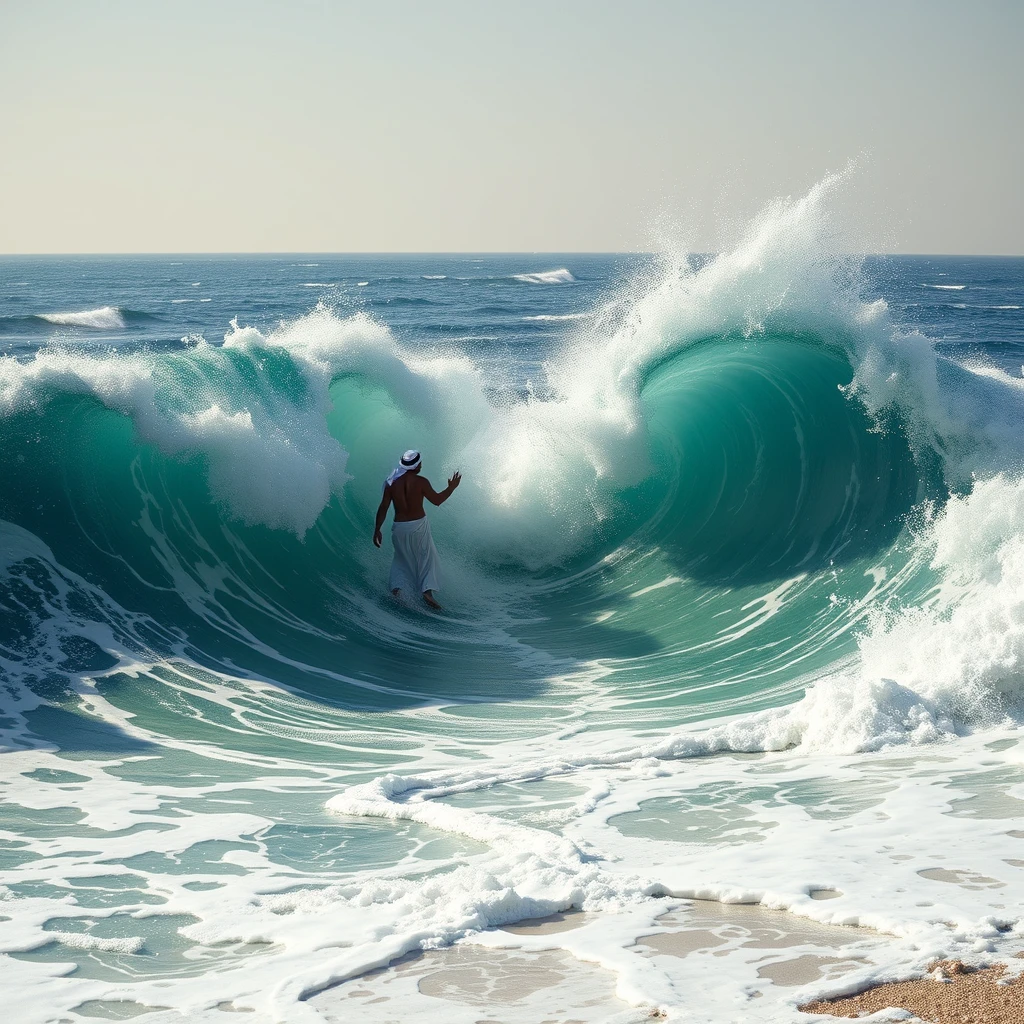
103	318
558	316
560	276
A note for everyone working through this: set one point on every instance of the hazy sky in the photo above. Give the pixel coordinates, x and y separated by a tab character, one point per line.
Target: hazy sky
314	125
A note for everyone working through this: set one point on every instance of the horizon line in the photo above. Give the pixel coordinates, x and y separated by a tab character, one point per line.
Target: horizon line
457	252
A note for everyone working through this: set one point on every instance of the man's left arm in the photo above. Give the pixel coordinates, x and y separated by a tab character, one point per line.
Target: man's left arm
382	514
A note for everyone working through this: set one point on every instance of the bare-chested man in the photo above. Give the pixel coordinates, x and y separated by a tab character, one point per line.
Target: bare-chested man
415	563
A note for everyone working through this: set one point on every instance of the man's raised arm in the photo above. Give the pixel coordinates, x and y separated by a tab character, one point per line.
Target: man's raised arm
439	499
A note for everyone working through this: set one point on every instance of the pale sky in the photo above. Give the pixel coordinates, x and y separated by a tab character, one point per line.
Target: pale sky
329	126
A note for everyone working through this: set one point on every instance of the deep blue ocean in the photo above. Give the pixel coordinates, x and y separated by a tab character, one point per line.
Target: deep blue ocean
478	303
769	498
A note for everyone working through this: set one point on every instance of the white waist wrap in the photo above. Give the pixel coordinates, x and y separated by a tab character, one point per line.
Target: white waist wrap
415	564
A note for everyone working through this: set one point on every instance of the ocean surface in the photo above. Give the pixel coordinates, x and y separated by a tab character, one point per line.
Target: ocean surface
734	610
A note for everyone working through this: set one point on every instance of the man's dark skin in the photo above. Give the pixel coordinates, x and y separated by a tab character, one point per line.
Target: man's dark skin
407	493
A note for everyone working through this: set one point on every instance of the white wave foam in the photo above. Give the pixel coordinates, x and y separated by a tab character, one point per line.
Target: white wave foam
976	305
924	673
555	317
946	287
560	276
84	941
777	862
269	461
105	318
435	277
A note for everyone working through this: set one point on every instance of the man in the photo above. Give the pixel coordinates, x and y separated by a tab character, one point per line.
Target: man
415	562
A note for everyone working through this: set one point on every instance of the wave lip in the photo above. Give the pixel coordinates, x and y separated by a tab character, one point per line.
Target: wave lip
560	276
104	318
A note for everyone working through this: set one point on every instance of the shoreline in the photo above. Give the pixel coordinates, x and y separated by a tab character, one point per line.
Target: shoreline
560	966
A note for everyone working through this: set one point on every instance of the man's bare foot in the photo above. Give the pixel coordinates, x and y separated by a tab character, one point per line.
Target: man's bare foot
428	596
396	592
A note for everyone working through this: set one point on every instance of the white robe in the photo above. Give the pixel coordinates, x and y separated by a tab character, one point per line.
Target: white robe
415	565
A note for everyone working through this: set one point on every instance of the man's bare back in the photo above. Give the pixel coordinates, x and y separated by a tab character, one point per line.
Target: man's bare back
408	492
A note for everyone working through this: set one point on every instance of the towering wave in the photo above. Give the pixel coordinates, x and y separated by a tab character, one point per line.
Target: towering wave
750	426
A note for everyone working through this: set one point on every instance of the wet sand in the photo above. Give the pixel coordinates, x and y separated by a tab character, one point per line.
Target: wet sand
954	995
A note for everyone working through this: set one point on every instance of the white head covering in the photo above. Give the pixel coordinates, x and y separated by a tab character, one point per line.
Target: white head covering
409	463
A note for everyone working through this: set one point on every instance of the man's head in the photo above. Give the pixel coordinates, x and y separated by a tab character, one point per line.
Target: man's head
411	461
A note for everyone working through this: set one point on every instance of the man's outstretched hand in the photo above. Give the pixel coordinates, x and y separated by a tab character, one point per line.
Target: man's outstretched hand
377	538
454	480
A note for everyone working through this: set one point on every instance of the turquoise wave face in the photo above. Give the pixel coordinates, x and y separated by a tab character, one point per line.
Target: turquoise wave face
737	562
771	469
772	525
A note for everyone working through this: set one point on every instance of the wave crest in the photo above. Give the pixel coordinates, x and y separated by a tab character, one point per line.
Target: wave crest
105	318
560	276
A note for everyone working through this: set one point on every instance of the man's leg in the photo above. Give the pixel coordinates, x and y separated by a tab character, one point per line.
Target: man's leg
428	596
